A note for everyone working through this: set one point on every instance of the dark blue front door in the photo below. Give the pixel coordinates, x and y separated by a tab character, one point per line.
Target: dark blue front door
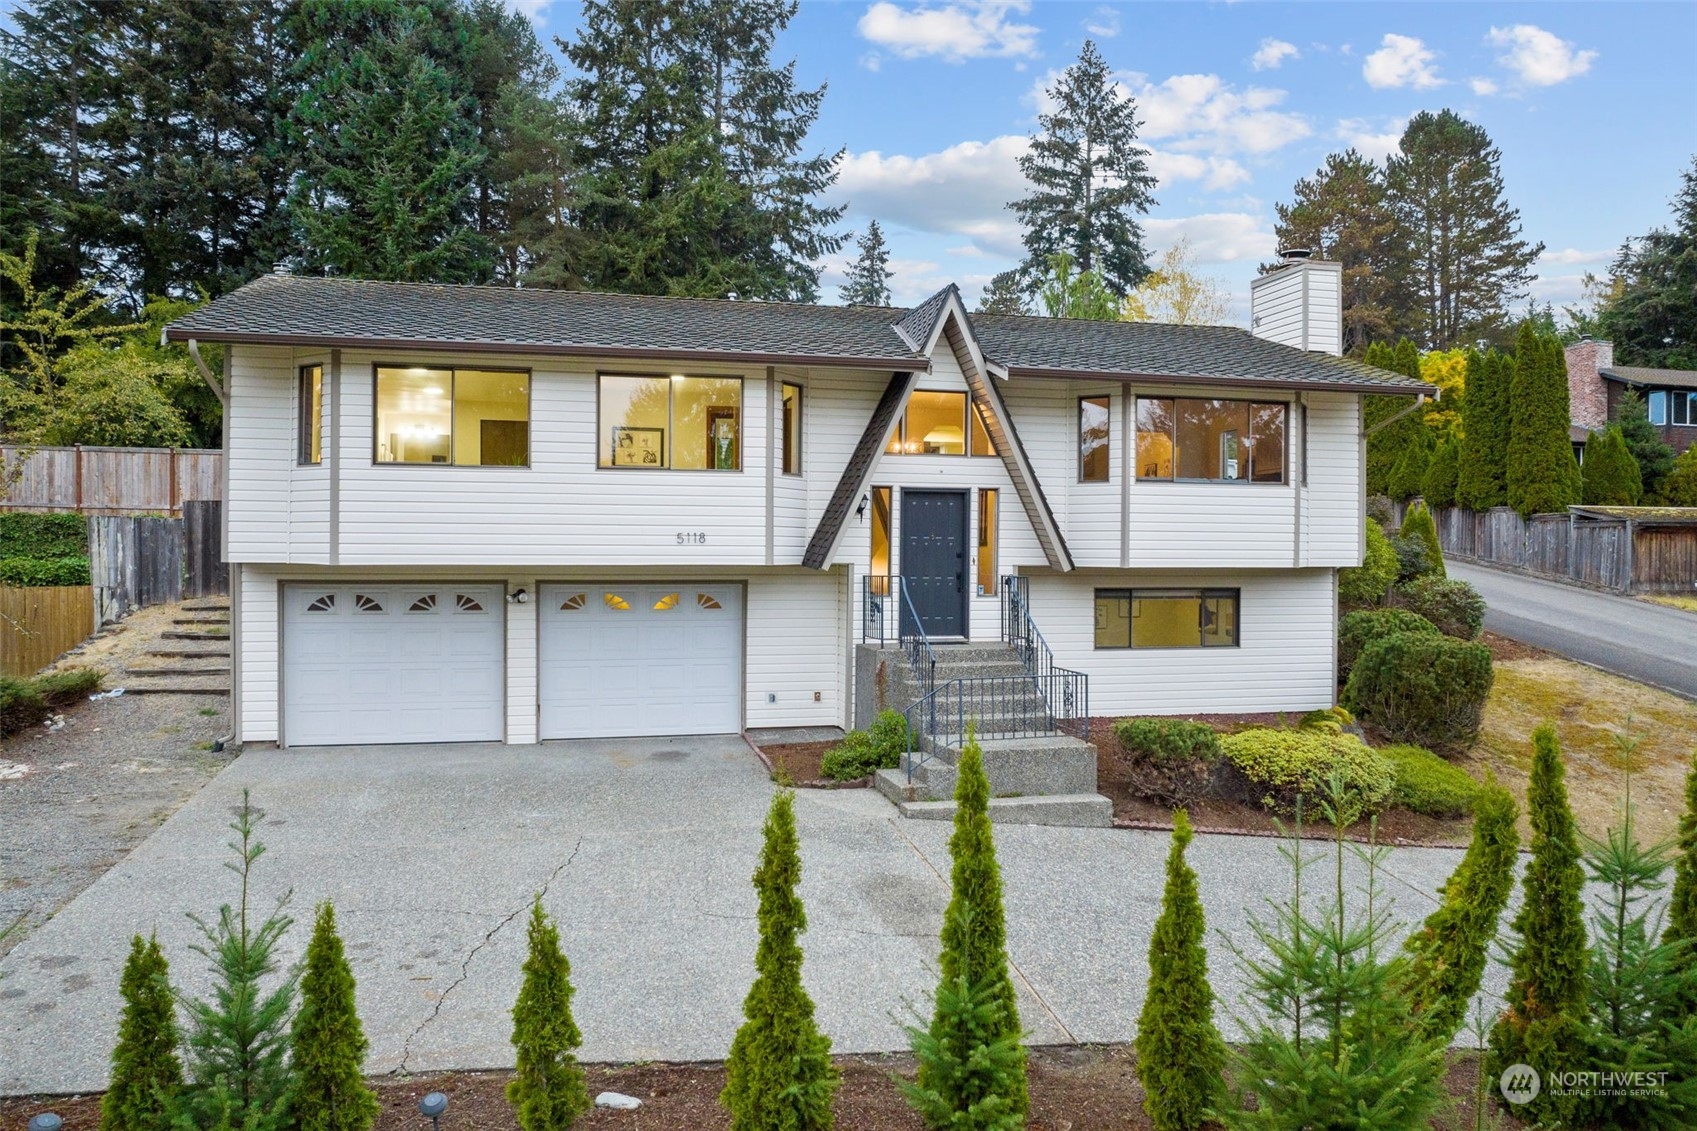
934	560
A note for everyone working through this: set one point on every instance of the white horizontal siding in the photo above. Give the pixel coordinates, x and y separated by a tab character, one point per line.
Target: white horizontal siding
1093	509
259	688
1334	493
1284	663
261	453
795	649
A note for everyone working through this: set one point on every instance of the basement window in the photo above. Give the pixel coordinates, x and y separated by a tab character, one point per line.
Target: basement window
1166	618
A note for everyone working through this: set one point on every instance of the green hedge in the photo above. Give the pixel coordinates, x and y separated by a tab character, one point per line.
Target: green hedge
32	572
25	702
1359	629
1366	585
1425	783
862	752
1280	765
1422	689
43	536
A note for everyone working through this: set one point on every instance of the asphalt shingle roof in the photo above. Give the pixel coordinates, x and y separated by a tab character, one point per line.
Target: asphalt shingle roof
327	312
1637	375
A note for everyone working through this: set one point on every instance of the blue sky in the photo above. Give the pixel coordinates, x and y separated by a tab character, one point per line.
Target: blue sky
1594	107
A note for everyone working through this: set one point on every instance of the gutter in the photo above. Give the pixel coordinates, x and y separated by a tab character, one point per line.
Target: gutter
206	374
1108	375
1419	400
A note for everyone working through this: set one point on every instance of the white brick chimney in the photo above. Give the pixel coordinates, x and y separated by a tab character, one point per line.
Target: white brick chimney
1587	394
1300	304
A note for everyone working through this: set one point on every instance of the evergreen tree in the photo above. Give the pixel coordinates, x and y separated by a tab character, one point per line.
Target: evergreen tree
327	1042
1180	1056
1653	455
1609	475
1340	214
1542	473
868	282
1387	442
1003	295
238	1040
1419	524
146	1074
1679	488
1466	262
975	933
1408	473
1652	318
779	1076
1482	479
1545	1020
1065	293
1442	474
1450	948
1090	180
547	1090
1682	903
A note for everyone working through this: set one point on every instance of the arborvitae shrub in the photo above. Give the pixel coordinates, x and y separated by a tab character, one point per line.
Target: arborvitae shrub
1450	949
1358	629
1453	605
1543	475
1439	486
547	1090
1421	689
1419	524
1180	1056
1428	785
1609	474
1679	487
1481	479
779	1076
1408	474
1365	585
1544	1024
146	1074
327	1043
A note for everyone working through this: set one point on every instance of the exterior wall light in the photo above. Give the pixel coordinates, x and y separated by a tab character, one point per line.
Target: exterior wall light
860	510
517	597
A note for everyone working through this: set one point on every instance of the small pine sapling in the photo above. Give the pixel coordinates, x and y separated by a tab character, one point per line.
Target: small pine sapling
327	1041
547	1090
1180	1056
779	1076
146	1074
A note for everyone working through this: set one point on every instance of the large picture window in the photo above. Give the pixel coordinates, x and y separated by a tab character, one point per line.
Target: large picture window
1093	435
1166	618
940	424
468	417
311	414
685	423
1221	440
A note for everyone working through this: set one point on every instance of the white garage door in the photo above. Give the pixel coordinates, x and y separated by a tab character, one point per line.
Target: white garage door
369	663
645	659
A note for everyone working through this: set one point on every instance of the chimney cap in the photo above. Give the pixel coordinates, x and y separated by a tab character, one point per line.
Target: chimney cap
1584	337
1295	254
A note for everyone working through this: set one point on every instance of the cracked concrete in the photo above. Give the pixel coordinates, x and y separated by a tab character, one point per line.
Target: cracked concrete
644	850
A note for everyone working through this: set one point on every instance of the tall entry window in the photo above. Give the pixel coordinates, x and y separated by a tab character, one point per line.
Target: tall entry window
468	417
1189	438
686	423
792	429
987	542
1093	439
311	414
881	540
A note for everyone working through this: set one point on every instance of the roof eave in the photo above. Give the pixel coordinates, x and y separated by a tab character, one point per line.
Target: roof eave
177	333
1378	389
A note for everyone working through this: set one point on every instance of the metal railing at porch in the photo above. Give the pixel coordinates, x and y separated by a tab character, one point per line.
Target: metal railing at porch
884	598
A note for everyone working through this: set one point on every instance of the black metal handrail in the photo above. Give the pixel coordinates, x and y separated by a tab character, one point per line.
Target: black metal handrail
998	706
878	593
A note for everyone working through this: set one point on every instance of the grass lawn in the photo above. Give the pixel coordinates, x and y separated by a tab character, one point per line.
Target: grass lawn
1675	601
1589	708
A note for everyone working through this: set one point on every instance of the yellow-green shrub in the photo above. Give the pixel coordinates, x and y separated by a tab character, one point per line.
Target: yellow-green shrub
1279	765
1425	783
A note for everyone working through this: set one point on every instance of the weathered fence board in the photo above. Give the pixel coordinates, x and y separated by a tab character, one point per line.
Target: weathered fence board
92	480
204	571
38	625
1664	559
140	560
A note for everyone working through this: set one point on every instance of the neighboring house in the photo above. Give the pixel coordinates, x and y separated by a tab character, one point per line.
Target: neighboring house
1595	385
478	513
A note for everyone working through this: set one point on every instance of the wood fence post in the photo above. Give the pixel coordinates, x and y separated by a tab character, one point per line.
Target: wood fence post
78	478
171	491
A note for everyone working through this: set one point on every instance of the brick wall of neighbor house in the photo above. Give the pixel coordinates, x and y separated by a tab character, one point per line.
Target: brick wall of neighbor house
1678	436
1588	400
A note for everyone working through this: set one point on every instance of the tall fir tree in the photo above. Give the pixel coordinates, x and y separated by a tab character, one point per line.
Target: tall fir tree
868	280
1387	442
1466	262
1545	1021
1609	474
146	1074
779	1075
1652	318
1542	475
1003	295
1090	178
974	933
547	1089
326	1042
1438	488
1482	477
1653	454
1340	214
1181	1058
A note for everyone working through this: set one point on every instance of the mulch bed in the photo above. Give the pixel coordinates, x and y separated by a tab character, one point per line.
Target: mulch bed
1073	1088
797	763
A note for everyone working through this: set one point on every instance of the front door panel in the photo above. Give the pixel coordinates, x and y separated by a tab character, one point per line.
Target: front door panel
934	560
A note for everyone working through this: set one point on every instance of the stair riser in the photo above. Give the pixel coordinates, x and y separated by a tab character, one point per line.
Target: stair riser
1016	773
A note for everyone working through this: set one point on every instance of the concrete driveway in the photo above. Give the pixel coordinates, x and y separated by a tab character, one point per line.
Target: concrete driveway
643	850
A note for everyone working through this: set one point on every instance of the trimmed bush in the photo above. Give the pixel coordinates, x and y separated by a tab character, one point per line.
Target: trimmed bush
43	536
1279	765
1454	606
1427	690
863	752
1609	476
1332	720
25	702
146	1074
30	573
547	1090
1427	784
326	1042
1358	629
1366	585
1419	525
1172	761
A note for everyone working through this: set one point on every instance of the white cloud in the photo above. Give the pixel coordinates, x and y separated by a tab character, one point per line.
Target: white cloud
962	190
1215	173
966	29
1200	113
1568	256
1215	237
1272	53
1482	87
1402	60
1538	57
1104	23
1376	142
531	10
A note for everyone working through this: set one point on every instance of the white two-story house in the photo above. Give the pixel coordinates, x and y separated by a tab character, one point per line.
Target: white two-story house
477	513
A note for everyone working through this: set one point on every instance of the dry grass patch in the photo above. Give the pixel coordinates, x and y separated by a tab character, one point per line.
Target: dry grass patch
1674	601
1589	708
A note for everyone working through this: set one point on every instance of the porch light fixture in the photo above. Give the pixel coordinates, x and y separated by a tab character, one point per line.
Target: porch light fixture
517	597
432	1108
860	510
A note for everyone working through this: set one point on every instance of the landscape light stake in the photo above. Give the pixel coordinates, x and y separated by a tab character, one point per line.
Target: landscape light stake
46	1121
432	1107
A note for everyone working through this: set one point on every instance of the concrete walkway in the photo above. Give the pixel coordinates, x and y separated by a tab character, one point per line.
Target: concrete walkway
643	850
1647	642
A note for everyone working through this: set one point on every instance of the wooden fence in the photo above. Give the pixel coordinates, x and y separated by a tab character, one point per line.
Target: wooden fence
107	480
37	625
140	560
1628	554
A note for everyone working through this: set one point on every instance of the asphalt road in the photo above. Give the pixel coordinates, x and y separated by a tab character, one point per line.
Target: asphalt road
1644	641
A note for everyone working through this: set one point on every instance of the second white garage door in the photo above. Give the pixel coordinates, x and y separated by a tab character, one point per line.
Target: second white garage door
646	659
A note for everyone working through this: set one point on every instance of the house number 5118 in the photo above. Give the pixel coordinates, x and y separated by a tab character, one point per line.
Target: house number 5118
696	538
